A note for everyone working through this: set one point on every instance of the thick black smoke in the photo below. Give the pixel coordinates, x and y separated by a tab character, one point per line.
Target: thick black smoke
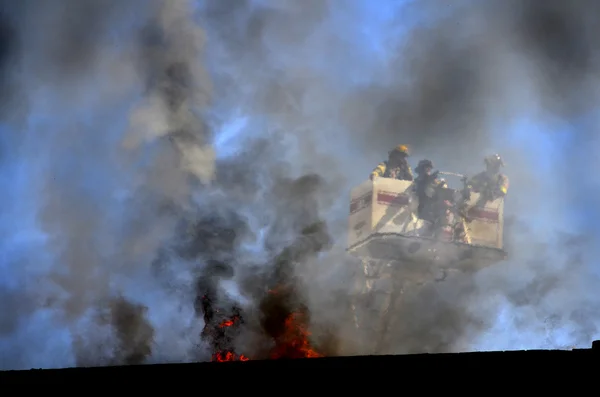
453	89
106	205
155	210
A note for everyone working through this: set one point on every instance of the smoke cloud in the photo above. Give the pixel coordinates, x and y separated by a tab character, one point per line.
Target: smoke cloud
155	151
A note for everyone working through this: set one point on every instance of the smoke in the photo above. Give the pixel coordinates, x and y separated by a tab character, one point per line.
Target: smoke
152	150
455	82
130	341
116	142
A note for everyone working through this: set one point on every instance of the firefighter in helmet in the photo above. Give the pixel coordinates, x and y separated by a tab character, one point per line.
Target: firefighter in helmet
445	214
396	166
436	201
491	183
426	185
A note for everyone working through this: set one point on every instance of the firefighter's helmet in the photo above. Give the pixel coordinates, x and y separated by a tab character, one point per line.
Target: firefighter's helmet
423	164
494	161
400	149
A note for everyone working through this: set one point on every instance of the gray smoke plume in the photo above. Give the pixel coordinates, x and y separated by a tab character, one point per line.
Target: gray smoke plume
105	201
461	82
165	159
130	341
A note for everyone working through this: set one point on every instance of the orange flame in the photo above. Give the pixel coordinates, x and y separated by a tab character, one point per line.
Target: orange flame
228	356
294	343
229	323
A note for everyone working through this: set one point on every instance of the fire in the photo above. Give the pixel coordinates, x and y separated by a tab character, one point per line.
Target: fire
218	334
228	356
294	342
287	327
292	337
229	323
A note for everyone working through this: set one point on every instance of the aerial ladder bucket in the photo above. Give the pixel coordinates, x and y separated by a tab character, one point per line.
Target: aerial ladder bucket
383	225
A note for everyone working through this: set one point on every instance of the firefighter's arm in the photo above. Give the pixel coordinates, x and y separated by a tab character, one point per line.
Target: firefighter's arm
409	174
378	171
474	183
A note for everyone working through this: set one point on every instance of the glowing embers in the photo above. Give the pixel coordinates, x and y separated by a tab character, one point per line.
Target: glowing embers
220	335
228	356
229	323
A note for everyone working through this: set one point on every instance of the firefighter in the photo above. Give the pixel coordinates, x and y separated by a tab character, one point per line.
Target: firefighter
426	185
491	183
396	166
446	212
436	205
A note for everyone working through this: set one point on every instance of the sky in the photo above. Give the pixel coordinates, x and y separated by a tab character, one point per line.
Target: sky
283	90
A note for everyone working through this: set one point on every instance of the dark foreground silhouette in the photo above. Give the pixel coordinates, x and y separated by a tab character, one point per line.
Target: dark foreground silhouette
465	370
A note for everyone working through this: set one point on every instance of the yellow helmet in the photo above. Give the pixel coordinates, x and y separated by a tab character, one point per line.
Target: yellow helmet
403	149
